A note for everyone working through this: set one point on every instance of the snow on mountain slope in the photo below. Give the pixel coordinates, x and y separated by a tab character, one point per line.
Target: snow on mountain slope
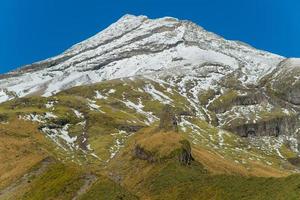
3	96
136	45
286	80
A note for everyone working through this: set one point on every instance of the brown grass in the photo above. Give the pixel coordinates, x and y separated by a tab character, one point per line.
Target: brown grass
218	165
19	150
162	143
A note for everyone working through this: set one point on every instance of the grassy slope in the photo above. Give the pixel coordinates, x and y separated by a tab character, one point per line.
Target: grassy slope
190	183
168	179
218	173
21	147
105	189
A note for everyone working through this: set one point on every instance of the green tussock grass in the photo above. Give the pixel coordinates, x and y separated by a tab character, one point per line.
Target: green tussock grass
105	189
175	181
224	101
58	182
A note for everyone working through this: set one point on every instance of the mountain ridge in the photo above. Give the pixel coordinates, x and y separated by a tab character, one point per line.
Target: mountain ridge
124	43
123	17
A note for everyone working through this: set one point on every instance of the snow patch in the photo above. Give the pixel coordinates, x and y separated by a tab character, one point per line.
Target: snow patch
93	106
78	114
99	95
138	108
157	95
57	135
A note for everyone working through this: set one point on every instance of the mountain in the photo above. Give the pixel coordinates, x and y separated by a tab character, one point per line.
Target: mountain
138	46
152	109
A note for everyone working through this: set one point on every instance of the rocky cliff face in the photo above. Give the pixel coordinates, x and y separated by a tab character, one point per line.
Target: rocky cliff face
168	119
274	127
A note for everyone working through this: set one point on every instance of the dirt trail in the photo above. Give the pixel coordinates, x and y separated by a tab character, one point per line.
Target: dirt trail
89	181
10	191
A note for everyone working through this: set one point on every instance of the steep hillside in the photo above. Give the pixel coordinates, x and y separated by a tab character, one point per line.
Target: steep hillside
95	130
152	109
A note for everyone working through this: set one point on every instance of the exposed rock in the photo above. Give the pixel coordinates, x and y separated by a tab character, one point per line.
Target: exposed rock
3	117
142	154
295	161
130	128
49	126
88	181
185	155
61	121
186	113
233	98
274	127
249	99
168	119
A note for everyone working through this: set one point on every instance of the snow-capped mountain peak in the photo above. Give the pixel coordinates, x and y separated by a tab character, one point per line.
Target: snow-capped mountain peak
136	45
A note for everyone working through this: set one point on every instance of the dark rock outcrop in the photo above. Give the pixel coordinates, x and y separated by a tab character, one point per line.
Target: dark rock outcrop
230	99
249	99
130	128
294	161
168	119
185	155
140	153
49	126
3	117
61	121
274	127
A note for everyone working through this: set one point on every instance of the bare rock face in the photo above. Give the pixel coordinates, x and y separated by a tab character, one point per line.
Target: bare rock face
274	127
140	153
185	155
130	128
168	119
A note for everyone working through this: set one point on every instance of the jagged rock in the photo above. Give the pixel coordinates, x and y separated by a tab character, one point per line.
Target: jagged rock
185	155
294	161
49	126
3	117
168	119
130	128
231	98
143	154
186	113
61	121
274	127
249	99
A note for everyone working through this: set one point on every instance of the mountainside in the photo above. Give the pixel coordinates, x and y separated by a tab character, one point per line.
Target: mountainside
139	46
152	109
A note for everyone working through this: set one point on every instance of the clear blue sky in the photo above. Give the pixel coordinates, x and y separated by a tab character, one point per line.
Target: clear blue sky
32	30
